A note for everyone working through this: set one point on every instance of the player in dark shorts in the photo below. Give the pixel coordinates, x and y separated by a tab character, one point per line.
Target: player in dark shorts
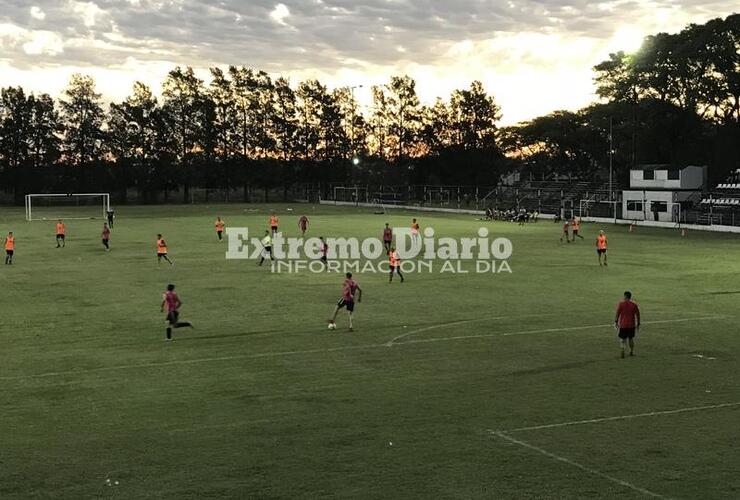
387	238
105	236
9	248
110	216
324	250
171	300
350	288
627	322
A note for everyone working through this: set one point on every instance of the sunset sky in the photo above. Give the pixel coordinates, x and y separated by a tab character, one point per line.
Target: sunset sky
534	56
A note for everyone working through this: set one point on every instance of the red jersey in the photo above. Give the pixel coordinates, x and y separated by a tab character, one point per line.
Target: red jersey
171	300
303	222
387	234
348	291
628	314
324	249
565	227
106	233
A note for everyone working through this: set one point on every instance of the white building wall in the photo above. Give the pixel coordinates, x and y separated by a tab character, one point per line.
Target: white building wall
646	199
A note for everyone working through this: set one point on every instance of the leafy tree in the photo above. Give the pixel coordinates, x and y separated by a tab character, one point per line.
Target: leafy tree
83	117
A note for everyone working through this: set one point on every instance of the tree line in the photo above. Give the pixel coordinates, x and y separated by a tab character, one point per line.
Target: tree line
676	101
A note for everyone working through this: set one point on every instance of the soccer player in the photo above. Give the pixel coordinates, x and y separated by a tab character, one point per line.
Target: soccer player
324	249
162	250
395	264
171	300
220	226
106	237
110	216
414	231
627	321
9	248
274	221
576	228
303	225
387	238
61	231
350	288
267	247
565	234
601	247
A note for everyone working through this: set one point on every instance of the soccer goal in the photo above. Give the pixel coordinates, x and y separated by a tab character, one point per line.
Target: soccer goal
67	206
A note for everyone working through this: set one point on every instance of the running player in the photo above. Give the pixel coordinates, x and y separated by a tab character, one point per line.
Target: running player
627	321
274	221
61	231
395	264
601	247
220	226
350	288
106	237
303	225
173	303
565	234
9	248
387	238
414	231
576	228
324	249
266	247
162	250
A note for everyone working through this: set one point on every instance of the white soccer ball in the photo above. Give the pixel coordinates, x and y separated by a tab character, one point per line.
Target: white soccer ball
332	326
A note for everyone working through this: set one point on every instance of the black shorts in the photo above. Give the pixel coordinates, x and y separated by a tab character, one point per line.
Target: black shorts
626	333
60	236
601	251
9	252
274	229
349	304
160	255
172	317
575	232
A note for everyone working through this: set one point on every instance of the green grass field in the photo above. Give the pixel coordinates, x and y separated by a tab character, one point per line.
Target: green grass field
262	401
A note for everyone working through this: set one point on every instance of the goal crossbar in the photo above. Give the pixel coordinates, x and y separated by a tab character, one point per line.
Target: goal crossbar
105	203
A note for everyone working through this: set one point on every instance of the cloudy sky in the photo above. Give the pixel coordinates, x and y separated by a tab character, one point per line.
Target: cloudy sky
535	56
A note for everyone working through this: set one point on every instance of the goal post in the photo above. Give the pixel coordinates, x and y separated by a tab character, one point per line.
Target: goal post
45	206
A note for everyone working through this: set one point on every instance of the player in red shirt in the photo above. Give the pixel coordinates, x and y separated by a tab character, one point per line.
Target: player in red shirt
627	322
350	288
105	236
303	224
387	238
171	300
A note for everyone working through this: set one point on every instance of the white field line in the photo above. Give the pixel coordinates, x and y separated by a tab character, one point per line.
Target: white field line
442	325
548	330
677	411
326	350
577	465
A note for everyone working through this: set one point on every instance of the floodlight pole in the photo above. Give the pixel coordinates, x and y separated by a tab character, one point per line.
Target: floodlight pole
611	168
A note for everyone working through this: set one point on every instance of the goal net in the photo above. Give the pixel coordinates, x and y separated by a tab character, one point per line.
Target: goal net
67	206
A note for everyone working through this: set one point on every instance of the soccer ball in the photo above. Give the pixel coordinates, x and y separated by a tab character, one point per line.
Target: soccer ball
332	326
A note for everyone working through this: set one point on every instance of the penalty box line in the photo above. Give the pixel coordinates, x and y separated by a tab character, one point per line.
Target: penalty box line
616	418
573	463
329	350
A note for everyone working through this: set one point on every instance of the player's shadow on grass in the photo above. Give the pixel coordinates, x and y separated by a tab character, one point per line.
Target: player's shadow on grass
725	292
261	333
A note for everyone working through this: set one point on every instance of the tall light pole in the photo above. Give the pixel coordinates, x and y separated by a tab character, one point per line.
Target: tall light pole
611	169
352	124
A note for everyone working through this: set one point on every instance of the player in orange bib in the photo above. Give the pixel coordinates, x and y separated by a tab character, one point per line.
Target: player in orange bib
162	250
414	231
576	225
220	226
601	247
395	264
61	232
9	248
274	221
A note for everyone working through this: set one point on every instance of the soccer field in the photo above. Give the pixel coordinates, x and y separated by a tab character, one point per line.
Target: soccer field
451	385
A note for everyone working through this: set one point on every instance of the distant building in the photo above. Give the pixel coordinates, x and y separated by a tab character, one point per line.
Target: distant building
657	191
